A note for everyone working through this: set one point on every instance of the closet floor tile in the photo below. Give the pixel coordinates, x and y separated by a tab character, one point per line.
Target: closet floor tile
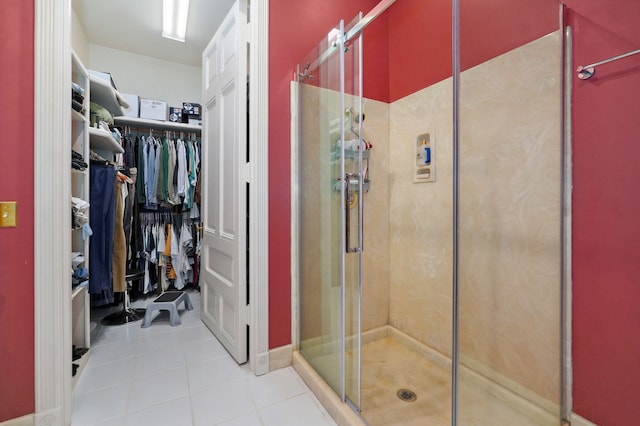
204	350
221	403
182	376
158	388
197	333
275	386
150	363
104	335
170	413
159	342
103	404
111	352
302	409
118	421
214	373
100	376
251	419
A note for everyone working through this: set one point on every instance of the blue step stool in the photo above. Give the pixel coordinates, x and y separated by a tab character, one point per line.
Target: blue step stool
167	301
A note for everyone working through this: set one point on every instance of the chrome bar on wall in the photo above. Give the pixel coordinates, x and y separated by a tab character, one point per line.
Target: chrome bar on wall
369	18
366	20
585	72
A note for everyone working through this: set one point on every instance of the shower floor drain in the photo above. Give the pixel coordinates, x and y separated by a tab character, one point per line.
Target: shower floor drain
407	395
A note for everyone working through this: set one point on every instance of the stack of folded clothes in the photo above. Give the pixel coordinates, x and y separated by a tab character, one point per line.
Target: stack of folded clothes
77	161
79	214
77	98
80	275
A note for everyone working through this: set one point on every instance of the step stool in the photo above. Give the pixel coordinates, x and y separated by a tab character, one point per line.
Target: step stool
168	301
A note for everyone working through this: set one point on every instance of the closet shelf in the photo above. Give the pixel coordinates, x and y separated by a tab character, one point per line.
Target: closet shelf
79	289
104	95
76	116
102	140
155	124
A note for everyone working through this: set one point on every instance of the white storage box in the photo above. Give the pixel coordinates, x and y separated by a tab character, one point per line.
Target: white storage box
134	105
153	109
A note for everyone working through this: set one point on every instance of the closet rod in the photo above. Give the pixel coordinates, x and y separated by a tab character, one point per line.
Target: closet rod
130	129
585	72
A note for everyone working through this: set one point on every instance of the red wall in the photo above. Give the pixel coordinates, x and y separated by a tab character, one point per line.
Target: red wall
17	389
606	214
419	45
420	38
490	28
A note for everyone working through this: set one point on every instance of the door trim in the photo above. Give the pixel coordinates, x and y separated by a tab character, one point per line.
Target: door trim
52	189
52	232
259	187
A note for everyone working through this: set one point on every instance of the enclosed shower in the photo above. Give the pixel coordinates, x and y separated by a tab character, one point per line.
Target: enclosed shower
430	238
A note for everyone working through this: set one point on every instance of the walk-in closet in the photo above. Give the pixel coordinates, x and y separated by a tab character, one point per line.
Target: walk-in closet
160	279
135	177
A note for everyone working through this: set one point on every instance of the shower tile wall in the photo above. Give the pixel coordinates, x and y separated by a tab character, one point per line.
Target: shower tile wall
420	219
509	218
316	143
375	279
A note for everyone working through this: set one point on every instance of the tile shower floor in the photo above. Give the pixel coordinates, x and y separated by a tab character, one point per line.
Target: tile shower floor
182	376
389	366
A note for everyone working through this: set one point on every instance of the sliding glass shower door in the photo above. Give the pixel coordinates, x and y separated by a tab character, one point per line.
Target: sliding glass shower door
331	185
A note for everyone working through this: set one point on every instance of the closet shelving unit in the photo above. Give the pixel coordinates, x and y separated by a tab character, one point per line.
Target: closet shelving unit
105	95
101	140
83	139
80	301
102	93
156	124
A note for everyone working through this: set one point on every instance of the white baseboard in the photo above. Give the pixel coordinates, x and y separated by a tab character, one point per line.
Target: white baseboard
28	420
280	357
52	417
262	364
577	420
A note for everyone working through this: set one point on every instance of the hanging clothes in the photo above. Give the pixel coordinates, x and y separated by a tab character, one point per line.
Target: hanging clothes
171	246
165	215
119	241
102	218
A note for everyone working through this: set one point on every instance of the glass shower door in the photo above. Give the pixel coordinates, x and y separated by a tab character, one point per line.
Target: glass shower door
354	154
330	212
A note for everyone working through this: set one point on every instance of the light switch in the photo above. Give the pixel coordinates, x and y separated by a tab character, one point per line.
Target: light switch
8	214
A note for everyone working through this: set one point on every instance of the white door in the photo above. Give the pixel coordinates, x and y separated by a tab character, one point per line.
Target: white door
224	164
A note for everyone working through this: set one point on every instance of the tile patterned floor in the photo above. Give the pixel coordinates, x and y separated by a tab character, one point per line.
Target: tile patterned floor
182	376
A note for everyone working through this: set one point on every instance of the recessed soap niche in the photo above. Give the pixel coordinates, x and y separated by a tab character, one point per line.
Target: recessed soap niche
425	159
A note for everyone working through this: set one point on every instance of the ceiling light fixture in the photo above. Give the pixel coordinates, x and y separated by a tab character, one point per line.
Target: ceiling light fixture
174	19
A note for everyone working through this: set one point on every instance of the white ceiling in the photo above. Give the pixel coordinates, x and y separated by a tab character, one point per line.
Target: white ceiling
136	26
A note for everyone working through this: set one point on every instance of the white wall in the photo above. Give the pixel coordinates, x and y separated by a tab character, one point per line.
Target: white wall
79	41
148	77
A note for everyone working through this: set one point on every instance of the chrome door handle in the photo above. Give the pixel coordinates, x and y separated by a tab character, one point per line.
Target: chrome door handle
347	210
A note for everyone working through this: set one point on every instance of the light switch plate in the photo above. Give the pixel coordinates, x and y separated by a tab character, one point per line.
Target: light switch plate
8	214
